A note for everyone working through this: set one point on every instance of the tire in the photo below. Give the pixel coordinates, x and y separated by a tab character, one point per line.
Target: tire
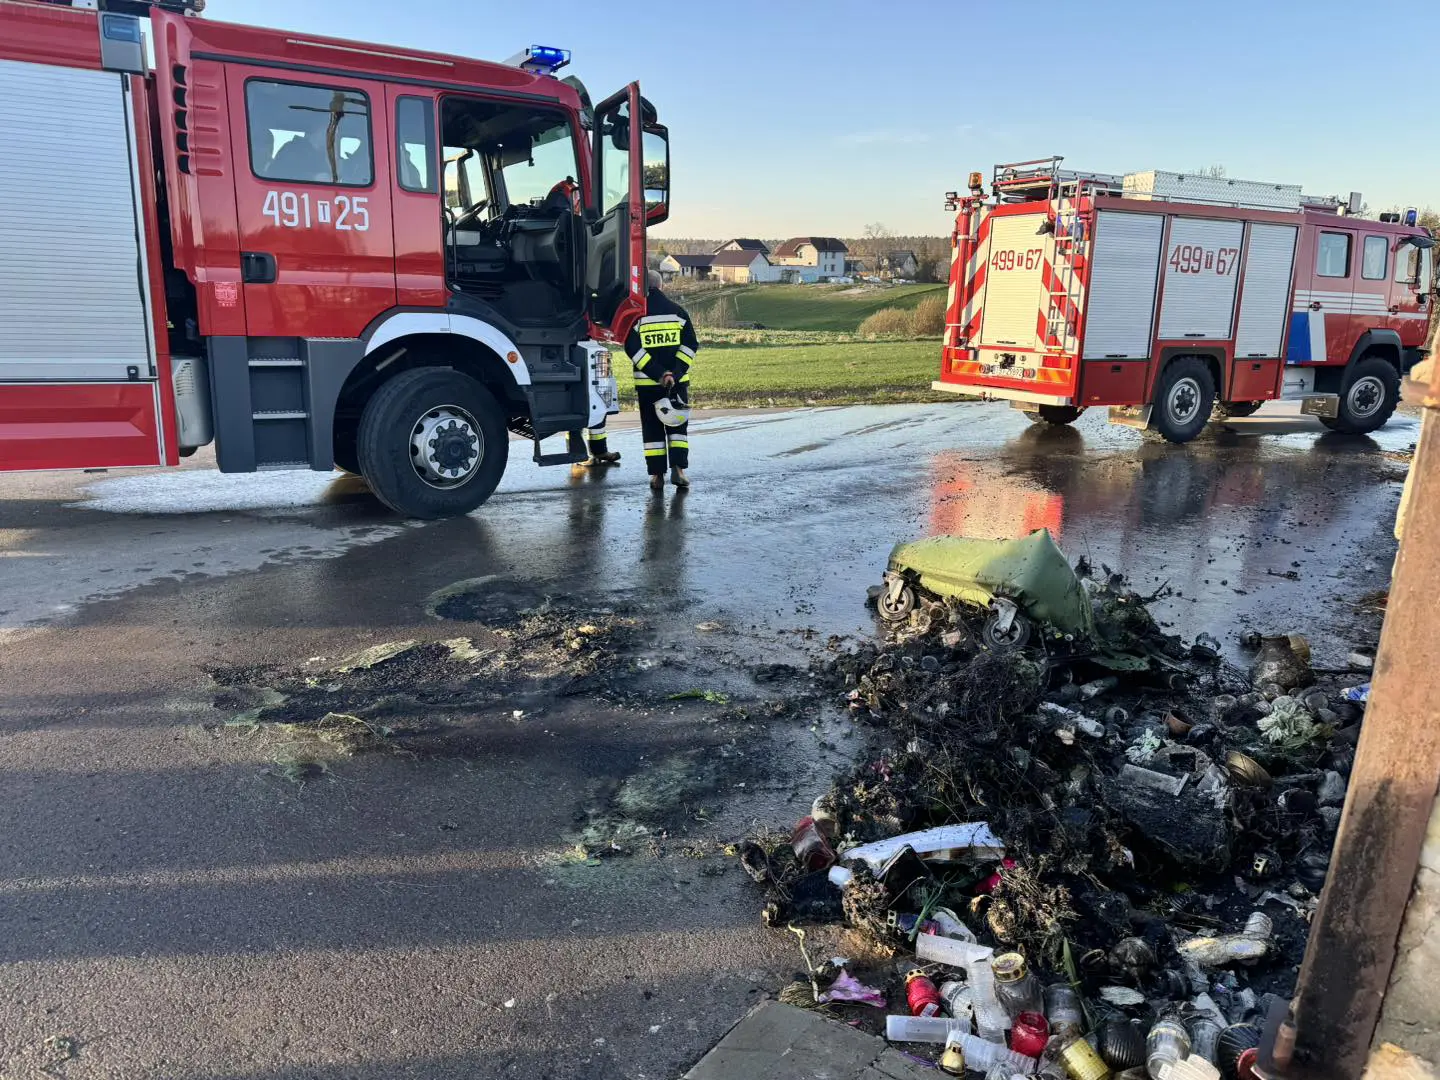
898	609
1016	638
1368	396
1059	415
1229	410
1183	400
418	409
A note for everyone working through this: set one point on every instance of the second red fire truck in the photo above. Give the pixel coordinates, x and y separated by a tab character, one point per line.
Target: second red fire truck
1165	296
310	252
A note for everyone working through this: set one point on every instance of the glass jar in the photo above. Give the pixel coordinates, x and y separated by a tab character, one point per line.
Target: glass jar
1030	1034
1062	1009
1016	987
1167	1043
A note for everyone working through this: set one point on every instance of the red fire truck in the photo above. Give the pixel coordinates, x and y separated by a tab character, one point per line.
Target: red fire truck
1165	295
312	252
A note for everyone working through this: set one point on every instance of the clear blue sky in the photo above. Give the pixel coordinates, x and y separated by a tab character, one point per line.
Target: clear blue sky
809	117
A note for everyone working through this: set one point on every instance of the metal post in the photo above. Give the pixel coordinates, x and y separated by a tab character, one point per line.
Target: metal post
1392	791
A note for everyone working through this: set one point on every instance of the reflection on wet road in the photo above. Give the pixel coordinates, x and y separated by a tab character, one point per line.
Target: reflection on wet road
793	513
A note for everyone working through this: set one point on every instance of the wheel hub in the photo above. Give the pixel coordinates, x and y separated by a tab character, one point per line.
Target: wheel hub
446	446
1183	401
1366	396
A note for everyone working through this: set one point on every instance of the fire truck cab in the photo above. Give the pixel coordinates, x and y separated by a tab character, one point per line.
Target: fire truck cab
312	252
1166	297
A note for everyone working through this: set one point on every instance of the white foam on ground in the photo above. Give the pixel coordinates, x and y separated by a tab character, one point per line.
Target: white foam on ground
199	491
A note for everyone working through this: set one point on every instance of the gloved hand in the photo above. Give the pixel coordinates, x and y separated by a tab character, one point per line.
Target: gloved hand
667	381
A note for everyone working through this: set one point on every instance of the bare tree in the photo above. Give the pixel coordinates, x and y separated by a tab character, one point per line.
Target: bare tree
878	240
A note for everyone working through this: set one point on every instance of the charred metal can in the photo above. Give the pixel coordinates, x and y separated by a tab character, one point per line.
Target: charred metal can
921	995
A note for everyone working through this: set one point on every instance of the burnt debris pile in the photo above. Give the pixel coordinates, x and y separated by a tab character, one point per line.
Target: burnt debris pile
1130	819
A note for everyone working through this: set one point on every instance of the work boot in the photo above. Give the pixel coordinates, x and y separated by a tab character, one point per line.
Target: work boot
679	479
610	457
657	481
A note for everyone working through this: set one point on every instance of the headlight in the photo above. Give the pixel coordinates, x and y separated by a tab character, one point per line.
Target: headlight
600	360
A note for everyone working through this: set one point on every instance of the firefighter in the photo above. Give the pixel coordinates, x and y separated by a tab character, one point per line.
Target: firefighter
662	347
600	452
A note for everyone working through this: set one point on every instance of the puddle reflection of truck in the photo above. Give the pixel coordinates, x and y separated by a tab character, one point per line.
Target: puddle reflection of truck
1163	296
349	255
1118	502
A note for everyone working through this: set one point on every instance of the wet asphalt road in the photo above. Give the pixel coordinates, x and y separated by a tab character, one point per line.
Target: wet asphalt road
176	909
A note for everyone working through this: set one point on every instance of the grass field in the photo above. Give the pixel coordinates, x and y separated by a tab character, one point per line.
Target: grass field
808	353
848	373
812	307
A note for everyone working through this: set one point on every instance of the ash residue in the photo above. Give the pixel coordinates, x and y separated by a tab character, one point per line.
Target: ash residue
539	655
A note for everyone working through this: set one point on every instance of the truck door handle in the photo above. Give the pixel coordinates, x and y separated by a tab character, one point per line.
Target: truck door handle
257	268
1315	305
1394	309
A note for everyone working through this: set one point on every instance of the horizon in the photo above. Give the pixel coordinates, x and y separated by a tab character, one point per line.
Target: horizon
828	130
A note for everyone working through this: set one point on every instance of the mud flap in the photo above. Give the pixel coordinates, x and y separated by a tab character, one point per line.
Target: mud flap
1135	416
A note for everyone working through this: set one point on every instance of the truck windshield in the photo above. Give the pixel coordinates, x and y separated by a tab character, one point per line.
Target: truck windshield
551	163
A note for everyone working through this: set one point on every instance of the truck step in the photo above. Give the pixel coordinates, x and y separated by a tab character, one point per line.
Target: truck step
1326	405
277	362
575	451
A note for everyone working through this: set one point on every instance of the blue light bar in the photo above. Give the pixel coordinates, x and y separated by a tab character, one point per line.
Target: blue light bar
542	59
1412	216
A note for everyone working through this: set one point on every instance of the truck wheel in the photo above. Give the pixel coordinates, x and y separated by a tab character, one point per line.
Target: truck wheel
1368	396
432	443
1183	400
1229	410
1059	415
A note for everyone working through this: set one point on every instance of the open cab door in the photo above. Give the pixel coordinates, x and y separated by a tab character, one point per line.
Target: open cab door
630	171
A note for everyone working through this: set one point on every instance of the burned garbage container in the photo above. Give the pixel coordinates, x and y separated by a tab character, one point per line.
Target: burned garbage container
1016	585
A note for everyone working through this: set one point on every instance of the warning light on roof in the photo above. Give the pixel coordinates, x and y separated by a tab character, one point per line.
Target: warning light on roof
540	59
1412	216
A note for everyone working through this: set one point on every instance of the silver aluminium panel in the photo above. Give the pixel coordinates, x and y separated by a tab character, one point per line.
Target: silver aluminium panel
72	289
1124	276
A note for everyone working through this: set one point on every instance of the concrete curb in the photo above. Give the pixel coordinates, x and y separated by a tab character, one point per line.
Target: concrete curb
781	1042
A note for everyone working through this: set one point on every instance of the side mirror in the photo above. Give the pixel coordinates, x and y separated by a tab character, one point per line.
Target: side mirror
656	174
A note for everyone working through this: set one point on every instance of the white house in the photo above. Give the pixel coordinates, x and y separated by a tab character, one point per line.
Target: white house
741	266
810	258
693	266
